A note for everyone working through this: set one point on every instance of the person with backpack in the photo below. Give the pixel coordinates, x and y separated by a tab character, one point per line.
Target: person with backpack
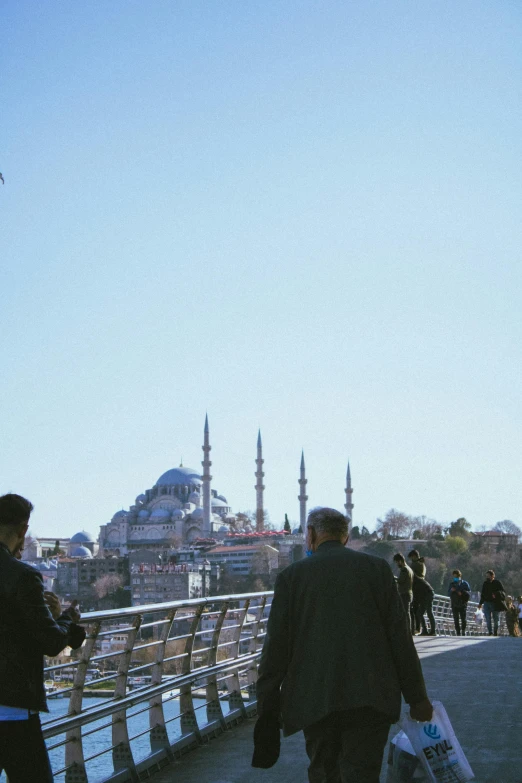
459	592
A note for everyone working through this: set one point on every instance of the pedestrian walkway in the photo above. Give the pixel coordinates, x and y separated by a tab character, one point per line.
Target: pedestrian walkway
477	679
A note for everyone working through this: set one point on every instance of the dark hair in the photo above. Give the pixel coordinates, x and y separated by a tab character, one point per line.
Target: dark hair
398	558
14	510
490	572
413	553
328	521
457	572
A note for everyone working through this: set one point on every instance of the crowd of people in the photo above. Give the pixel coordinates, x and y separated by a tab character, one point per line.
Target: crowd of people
417	595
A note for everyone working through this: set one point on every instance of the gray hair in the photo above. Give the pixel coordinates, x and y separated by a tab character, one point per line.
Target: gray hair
328	521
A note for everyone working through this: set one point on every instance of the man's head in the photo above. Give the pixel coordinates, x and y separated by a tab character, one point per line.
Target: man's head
14	520
413	555
399	560
325	524
490	575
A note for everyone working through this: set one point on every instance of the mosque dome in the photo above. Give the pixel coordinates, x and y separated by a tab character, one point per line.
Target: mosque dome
223	529
198	513
296	531
81	551
223	498
119	515
140	500
143	514
160	513
82	537
178	514
218	503
179	477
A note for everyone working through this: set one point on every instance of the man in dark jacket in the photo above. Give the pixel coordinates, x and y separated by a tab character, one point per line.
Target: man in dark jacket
337	655
491	599
27	633
459	592
423	594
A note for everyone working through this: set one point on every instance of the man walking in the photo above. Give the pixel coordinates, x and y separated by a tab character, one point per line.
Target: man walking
27	633
337	655
405	586
491	599
459	592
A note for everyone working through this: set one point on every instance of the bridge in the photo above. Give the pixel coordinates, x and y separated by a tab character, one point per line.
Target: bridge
167	692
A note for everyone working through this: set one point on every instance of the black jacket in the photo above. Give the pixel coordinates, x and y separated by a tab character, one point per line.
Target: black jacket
490	590
27	633
337	639
423	592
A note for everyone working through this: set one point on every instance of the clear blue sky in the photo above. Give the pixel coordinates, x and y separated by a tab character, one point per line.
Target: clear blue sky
299	216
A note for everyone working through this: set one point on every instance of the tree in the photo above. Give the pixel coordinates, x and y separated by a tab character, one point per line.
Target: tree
287	527
394	524
365	533
456	545
107	585
460	528
508	527
355	533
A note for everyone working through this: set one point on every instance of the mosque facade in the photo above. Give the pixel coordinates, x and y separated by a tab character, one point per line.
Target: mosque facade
182	507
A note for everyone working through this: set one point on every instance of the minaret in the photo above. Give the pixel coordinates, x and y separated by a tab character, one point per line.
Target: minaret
206	479
260	517
302	497
348	492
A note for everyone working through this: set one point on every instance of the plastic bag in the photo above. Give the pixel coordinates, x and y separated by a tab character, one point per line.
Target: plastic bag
403	764
437	747
479	616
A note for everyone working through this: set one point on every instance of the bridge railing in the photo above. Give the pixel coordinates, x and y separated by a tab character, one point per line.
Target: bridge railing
151	682
167	676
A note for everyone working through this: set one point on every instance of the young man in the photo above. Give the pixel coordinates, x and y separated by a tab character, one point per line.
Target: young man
338	644
422	596
417	563
459	592
405	586
27	633
490	599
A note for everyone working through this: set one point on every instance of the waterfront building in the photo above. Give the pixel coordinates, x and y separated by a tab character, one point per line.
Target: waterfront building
152	584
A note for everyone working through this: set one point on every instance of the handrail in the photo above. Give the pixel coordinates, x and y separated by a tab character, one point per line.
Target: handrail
197	654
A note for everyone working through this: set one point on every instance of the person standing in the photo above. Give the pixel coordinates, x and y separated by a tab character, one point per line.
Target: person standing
423	594
28	631
491	597
512	617
337	655
418	566
405	586
459	592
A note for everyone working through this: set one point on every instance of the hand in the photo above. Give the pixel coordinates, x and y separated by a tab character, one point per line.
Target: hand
73	611
53	602
422	711
480	606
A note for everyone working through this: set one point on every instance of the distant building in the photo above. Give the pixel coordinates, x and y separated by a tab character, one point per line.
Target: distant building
151	584
245	559
493	539
76	576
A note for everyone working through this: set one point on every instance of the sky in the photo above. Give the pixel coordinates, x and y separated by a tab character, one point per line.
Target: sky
302	217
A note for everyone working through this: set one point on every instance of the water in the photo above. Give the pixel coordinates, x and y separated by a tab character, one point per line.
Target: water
101	767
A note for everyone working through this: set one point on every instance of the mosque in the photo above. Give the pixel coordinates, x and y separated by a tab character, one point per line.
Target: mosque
182	506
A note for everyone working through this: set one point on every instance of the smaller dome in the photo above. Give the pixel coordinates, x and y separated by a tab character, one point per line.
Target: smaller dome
223	529
223	498
219	503
178	514
119	516
140	500
160	513
82	537
296	531
198	513
81	551
143	514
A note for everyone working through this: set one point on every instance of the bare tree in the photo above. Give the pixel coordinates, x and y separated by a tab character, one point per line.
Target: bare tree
107	584
394	524
508	527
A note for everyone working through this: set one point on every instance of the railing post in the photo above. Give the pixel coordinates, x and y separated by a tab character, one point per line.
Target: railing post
214	709
252	670
74	758
188	721
158	733
235	697
122	754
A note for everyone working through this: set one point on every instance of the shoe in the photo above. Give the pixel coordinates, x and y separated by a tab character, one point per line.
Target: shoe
432	633
424	633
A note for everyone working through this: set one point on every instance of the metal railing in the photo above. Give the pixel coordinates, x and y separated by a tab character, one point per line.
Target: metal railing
172	675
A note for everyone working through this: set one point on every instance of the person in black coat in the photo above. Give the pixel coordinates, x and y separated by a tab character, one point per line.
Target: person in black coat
28	631
492	599
337	655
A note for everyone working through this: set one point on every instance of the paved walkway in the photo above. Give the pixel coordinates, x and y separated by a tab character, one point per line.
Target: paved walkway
477	679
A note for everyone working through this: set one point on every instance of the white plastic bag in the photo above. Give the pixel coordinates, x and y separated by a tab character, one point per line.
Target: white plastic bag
403	764
479	616
437	747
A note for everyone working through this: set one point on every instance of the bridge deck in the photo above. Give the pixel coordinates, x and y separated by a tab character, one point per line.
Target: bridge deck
477	679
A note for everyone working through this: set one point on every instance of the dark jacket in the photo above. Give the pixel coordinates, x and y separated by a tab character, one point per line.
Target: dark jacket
337	639
462	587
405	581
418	567
423	592
490	591
27	633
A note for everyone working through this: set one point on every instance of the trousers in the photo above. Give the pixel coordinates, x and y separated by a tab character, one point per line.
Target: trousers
23	755
459	618
489	610
347	746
